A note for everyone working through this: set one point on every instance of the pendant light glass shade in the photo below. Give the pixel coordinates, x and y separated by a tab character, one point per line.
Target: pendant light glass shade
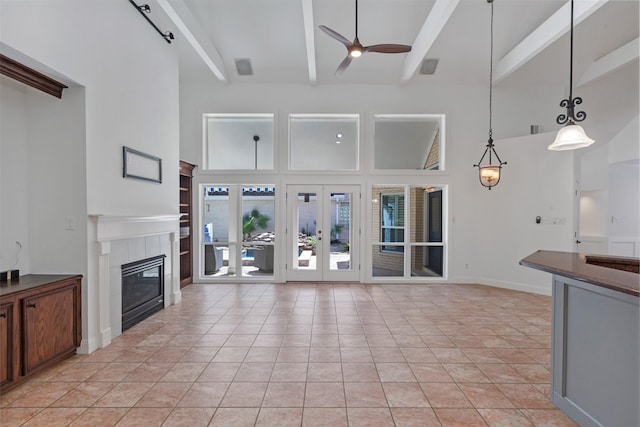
489	175
570	137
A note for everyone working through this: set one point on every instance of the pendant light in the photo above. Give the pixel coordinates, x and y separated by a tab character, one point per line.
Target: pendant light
490	173
571	136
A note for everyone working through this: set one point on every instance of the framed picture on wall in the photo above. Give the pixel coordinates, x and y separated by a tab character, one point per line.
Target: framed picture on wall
139	165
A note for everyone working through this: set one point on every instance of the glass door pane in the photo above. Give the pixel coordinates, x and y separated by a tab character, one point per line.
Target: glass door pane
238	236
306	236
324	238
340	249
258	230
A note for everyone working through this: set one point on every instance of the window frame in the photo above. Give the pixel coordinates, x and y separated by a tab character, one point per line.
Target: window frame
207	168
396	244
419	116
356	170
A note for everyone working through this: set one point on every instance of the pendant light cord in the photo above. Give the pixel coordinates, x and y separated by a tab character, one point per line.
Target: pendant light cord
491	78
571	57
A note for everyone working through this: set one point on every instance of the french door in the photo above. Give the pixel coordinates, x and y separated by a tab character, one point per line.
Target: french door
323	233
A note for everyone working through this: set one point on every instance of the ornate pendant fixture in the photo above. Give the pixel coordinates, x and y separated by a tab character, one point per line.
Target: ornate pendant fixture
490	173
571	136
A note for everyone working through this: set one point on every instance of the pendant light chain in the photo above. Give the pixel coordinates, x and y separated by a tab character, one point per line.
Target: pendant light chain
491	78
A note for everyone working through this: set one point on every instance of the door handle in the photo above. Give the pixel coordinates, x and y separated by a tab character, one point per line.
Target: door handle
32	305
578	241
3	315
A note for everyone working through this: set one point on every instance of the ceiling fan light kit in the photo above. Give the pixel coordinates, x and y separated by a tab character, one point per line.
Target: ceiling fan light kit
355	49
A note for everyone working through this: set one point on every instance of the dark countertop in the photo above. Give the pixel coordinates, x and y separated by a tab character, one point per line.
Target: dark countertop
574	266
29	281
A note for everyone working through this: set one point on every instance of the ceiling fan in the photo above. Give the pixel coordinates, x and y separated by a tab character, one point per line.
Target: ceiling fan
355	49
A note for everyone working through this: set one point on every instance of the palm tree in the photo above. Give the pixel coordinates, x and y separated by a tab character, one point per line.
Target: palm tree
252	221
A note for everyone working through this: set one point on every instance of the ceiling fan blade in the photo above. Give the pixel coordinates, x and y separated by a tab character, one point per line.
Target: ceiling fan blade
336	35
343	65
388	48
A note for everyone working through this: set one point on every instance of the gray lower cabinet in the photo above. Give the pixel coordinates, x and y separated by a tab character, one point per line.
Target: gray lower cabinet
595	354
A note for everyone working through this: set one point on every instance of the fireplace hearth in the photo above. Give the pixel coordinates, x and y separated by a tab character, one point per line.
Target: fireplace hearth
142	290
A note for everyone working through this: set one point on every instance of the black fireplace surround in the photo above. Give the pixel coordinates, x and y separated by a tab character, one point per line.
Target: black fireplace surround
142	290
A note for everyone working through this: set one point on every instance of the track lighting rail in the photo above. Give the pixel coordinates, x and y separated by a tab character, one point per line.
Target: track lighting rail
144	9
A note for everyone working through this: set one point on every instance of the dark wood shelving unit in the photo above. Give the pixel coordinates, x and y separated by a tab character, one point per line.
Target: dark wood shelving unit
186	223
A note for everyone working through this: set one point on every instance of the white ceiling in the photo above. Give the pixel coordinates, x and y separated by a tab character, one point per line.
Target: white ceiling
285	45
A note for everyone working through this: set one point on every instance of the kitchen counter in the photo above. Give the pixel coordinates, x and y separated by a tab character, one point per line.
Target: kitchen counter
576	266
595	336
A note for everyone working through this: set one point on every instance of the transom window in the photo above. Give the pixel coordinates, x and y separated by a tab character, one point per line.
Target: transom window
323	142
239	141
409	142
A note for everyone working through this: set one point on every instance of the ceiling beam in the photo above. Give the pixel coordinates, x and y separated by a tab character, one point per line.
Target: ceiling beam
542	37
192	31
309	35
611	62
431	28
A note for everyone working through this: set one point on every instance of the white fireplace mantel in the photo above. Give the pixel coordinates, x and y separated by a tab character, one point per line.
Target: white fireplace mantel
127	227
110	228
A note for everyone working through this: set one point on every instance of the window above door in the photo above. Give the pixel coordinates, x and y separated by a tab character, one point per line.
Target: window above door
238	141
409	142
323	142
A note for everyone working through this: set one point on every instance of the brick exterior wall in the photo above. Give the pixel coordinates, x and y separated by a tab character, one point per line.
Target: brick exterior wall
395	261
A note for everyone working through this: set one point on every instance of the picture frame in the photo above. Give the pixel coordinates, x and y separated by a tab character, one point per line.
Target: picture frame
139	165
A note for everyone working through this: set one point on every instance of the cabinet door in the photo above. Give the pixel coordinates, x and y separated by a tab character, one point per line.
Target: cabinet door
6	343
49	327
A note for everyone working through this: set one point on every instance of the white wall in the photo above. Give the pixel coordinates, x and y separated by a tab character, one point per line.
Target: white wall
14	176
57	184
535	182
131	76
44	180
490	231
128	78
624	208
608	181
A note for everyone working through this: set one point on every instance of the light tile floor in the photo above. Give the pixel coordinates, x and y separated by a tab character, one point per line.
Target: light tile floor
311	355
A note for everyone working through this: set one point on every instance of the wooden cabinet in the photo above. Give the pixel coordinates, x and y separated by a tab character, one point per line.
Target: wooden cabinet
49	326
40	324
6	342
186	223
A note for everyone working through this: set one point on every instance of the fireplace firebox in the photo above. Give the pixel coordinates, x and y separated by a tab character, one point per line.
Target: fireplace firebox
142	290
